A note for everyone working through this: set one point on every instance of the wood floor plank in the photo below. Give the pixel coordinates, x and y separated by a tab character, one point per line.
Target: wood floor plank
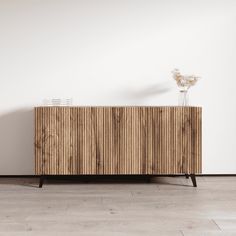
226	224
104	233
163	207
208	233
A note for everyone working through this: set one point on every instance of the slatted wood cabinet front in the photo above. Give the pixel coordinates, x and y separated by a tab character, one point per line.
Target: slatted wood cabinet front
117	140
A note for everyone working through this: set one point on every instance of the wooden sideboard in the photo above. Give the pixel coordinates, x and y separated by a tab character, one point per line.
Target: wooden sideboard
118	141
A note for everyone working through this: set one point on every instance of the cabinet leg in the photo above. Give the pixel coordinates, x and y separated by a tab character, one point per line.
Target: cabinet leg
41	180
193	178
187	176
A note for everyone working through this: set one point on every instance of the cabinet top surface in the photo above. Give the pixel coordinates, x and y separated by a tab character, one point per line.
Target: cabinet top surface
118	107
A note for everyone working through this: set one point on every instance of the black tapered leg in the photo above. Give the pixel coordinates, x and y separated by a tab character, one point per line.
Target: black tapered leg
41	180
187	176
193	178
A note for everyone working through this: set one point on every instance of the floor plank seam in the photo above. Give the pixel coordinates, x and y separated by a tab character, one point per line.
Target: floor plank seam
217	225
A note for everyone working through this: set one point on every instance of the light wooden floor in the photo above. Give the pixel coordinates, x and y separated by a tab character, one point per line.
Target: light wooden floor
168	206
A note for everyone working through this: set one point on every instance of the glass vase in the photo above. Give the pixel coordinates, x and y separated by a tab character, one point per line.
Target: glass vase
183	98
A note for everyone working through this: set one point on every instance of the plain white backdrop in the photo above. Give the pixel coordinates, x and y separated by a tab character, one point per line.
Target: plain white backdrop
116	52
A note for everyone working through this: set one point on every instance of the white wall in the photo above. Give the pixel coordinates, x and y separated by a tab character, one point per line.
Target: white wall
116	52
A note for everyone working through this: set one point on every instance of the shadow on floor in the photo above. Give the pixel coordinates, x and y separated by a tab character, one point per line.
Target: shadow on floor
78	180
17	142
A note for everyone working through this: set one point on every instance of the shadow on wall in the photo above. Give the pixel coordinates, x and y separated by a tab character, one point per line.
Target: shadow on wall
142	95
17	132
17	142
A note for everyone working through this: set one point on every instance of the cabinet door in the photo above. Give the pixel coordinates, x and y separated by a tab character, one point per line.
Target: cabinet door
52	141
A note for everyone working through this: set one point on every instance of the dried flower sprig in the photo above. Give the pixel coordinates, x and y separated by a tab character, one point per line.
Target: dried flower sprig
184	82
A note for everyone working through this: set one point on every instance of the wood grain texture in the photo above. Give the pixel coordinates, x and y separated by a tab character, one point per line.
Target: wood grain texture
117	140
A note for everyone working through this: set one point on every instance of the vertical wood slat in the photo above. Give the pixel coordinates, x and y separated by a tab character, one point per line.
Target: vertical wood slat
118	140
